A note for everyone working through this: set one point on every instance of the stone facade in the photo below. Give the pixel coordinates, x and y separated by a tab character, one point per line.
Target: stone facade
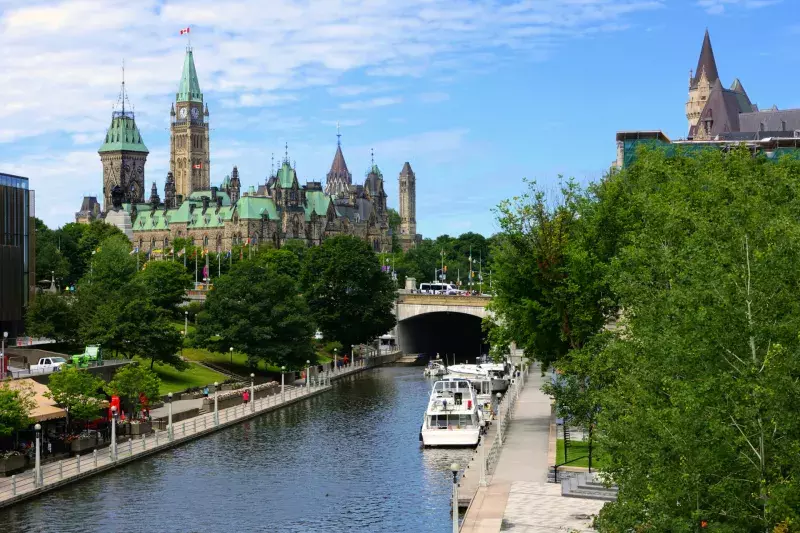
220	217
408	208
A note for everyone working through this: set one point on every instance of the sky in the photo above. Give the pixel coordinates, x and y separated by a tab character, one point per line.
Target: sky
476	95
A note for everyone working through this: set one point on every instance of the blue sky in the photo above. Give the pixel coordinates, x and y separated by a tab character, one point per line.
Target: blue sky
476	95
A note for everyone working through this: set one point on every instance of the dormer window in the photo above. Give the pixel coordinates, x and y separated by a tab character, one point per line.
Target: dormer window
762	127
783	125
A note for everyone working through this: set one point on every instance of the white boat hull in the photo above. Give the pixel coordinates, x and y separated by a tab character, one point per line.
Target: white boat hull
450	437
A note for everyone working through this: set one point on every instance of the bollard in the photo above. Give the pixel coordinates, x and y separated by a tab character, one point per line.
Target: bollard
60	470
78	463
14	485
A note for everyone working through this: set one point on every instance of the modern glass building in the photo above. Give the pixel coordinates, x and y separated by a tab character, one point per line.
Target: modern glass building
17	252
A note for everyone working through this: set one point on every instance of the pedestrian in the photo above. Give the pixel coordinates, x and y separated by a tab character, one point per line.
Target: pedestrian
246	396
205	391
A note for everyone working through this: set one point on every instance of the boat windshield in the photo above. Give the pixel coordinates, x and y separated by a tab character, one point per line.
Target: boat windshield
451	385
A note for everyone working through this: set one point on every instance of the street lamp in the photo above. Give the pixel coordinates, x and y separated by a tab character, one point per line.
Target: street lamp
499	422
308	374
185	323
3	356
283	390
216	403
482	450
38	470
335	352
252	392
113	432
454	468
169	420
231	355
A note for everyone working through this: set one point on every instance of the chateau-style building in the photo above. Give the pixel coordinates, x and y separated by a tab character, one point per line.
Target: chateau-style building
218	217
720	118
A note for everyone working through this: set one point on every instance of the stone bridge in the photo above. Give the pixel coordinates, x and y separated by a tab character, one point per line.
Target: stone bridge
445	324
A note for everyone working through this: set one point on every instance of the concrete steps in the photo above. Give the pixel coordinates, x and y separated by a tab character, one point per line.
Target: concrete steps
586	485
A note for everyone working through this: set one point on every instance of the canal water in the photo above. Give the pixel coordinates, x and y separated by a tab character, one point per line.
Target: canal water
346	461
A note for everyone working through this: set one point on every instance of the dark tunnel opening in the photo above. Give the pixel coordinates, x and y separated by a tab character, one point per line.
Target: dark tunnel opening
445	333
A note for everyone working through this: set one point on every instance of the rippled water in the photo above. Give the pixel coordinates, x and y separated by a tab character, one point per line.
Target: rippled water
345	461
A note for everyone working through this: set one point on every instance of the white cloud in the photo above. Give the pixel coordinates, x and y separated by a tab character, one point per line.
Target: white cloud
382	101
61	63
442	143
716	7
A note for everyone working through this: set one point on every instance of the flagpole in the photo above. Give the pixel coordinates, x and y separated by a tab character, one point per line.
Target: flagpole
195	267
219	263
137	260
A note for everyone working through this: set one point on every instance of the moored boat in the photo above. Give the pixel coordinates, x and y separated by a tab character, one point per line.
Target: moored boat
453	415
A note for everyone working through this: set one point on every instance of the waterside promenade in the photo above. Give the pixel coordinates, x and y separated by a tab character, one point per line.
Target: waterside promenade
517	497
23	486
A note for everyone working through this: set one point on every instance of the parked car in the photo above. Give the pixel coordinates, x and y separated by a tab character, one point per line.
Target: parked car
48	364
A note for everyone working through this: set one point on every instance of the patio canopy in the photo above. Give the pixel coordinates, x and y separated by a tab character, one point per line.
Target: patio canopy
45	407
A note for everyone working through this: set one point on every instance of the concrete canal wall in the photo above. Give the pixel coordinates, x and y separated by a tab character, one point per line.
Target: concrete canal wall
56	475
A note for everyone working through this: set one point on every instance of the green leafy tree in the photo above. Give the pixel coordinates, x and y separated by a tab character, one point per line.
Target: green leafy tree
349	297
52	316
147	332
133	384
16	404
76	391
164	284
259	312
49	259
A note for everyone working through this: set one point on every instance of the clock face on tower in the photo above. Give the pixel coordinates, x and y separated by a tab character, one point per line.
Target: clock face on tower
195	113
183	112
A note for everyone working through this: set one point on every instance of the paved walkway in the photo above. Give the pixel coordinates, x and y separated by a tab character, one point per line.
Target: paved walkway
518	498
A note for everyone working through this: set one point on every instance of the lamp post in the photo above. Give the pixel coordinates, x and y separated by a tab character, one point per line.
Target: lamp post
454	468
216	403
185	323
169	419
38	470
231	350
499	422
3	357
283	389
335	360
113	432
252	393
308	374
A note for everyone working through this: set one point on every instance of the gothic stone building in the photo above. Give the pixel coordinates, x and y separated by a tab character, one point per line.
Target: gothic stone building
220	217
721	117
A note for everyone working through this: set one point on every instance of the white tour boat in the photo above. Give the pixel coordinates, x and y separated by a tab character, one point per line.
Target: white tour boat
453	416
497	373
434	368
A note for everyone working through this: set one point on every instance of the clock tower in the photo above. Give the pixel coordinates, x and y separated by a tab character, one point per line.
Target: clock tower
190	158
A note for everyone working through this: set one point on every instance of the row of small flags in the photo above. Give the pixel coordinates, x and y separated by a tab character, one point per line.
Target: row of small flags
170	251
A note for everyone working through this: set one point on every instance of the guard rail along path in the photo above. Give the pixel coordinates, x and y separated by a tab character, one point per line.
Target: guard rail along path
483	463
55	475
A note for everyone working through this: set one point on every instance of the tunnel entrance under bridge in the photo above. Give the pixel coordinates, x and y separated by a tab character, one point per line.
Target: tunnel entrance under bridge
444	332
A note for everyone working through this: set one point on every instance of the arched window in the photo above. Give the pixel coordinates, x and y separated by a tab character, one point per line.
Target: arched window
141	244
152	243
205	240
166	243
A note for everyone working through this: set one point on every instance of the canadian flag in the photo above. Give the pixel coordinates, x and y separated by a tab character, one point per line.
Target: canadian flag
185	30
198	165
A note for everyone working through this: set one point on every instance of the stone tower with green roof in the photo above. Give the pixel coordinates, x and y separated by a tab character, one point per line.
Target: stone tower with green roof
190	157
123	155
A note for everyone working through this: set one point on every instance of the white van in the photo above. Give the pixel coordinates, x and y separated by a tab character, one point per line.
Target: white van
439	288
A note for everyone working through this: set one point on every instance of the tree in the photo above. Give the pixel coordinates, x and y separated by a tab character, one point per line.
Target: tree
52	316
112	264
259	312
282	262
16	405
164	284
350	298
134	384
49	259
147	332
76	391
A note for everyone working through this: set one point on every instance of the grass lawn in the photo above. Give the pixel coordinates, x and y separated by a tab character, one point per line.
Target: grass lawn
578	449
176	381
179	326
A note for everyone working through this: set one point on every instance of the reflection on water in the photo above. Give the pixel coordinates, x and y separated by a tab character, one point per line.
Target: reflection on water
346	461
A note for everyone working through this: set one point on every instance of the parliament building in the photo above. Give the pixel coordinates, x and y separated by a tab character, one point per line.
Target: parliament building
218	217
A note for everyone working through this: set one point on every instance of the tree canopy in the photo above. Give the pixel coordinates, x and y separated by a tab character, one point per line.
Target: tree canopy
133	384
349	297
77	391
16	405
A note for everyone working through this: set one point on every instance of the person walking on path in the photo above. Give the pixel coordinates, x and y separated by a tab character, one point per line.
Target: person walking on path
205	391
246	396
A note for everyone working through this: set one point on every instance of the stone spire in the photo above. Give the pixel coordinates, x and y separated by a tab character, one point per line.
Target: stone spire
408	206
235	186
154	199
339	178
169	192
706	64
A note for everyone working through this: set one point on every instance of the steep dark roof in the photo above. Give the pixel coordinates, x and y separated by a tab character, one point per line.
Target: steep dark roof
706	63
339	177
339	166
786	120
721	111
406	170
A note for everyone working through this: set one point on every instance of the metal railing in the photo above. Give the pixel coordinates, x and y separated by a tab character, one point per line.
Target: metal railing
73	468
505	411
17	373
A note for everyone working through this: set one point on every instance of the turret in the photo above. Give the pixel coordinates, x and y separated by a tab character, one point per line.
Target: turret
154	199
236	186
169	192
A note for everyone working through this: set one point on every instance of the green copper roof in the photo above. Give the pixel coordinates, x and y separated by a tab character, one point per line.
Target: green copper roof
286	176
189	89
253	207
123	135
197	197
317	202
